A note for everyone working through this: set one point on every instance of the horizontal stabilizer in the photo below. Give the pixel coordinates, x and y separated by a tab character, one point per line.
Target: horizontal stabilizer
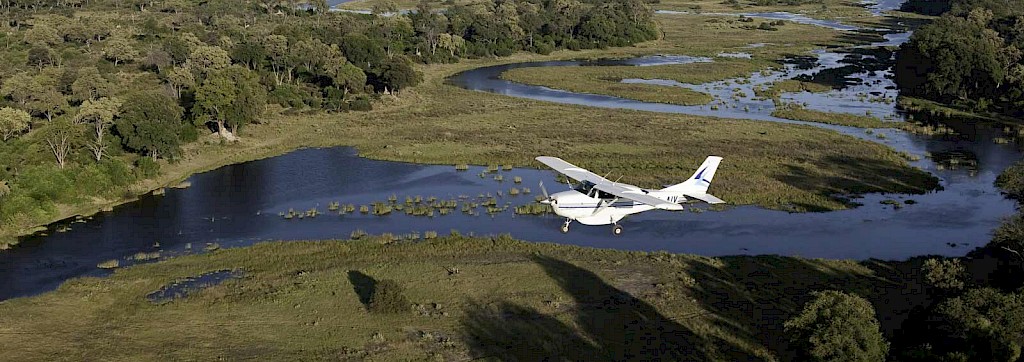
708	198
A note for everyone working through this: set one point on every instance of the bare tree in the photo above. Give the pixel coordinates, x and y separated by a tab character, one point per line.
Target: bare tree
60	139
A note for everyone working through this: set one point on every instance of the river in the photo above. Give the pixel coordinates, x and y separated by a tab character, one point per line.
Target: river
241	204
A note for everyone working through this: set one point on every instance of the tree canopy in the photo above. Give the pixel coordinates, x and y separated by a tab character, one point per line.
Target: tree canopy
837	326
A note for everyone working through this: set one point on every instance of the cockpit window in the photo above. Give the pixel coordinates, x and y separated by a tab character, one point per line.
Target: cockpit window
587	188
584	187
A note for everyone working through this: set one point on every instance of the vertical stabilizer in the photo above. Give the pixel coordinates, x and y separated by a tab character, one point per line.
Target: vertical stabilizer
701	180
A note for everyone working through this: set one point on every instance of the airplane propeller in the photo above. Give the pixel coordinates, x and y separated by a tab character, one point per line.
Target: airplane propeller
547	198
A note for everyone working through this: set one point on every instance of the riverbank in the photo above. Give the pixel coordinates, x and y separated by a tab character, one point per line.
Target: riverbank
310	300
478	128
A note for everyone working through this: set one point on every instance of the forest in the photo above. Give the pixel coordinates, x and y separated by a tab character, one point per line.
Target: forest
969	58
97	94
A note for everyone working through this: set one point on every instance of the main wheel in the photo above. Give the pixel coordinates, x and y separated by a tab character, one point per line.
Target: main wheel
565	228
617	230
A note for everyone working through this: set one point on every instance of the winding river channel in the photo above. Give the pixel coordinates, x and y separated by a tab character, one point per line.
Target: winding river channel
241	204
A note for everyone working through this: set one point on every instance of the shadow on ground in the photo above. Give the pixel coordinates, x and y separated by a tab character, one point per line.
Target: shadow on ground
740	306
363	285
607	324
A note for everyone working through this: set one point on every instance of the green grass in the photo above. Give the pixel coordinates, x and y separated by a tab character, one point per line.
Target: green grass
936	109
795	112
310	300
775	90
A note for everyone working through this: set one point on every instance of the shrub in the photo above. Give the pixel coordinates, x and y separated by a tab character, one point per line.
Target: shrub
836	326
1011	181
146	167
944	273
388	297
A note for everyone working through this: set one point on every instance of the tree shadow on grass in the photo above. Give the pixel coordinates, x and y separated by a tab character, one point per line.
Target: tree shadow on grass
754	296
509	332
363	285
608	325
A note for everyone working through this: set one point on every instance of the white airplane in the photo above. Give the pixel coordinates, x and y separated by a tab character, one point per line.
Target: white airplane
599	201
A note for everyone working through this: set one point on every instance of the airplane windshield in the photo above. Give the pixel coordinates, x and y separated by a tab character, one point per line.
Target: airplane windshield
587	188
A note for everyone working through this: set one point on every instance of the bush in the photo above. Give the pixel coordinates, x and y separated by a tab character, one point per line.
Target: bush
287	95
361	103
836	326
188	133
146	167
982	325
947	274
1010	234
388	297
544	48
1011	181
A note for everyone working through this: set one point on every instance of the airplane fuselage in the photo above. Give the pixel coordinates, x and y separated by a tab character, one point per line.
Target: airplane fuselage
595	210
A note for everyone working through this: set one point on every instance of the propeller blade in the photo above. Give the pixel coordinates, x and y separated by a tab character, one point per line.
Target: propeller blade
605	206
547	198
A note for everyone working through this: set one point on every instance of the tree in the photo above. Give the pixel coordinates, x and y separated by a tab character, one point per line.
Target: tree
208	58
43	34
100	113
946	274
180	78
429	25
40	56
13	121
362	51
382	8
250	54
90	85
37	94
836	326
345	75
276	48
120	48
60	138
229	98
1010	235
149	124
1011	181
397	73
983	324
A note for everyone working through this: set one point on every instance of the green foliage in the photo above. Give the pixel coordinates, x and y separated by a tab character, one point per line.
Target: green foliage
146	167
13	122
1000	8
1010	234
397	73
946	274
1011	181
970	59
837	326
983	325
150	123
230	97
388	298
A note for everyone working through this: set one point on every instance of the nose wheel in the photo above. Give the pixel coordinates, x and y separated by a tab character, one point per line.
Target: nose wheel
565	226
617	230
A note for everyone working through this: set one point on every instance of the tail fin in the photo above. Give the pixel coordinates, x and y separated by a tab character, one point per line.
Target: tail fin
701	180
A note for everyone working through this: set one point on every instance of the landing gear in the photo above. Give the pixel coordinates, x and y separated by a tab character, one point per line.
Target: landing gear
565	226
617	230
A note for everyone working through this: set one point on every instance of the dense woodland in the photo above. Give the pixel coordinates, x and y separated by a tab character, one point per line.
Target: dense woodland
94	92
970	58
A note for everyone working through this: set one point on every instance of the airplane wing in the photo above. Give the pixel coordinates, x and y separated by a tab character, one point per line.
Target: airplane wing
706	198
621	190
